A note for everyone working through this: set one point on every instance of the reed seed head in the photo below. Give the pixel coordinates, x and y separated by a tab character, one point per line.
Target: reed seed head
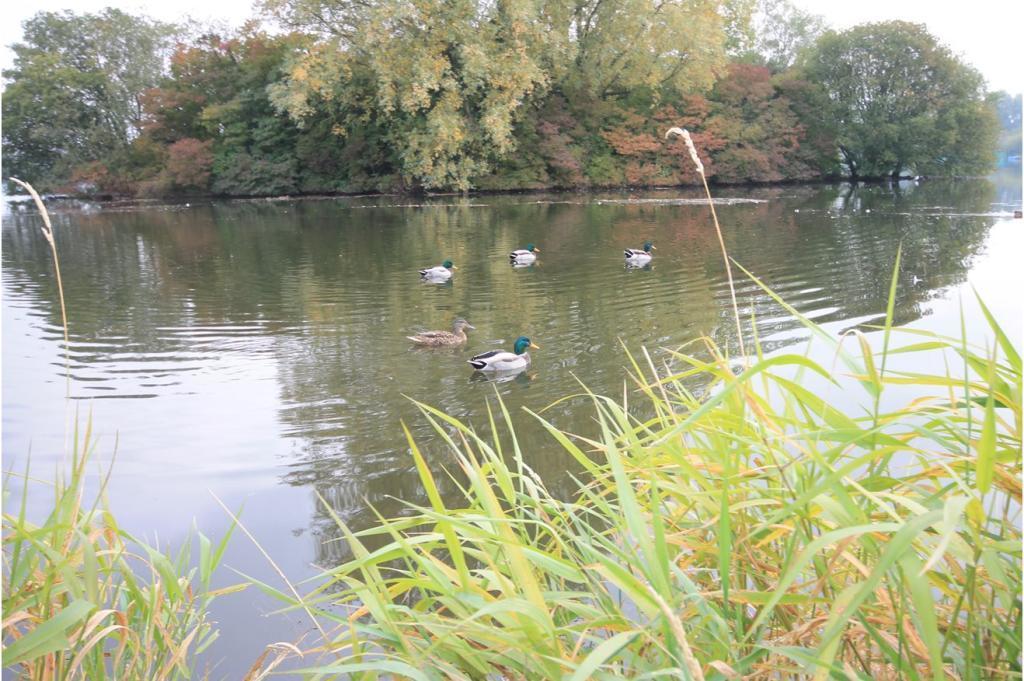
685	134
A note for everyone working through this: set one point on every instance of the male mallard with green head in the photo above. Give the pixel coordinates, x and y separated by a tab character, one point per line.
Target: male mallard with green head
442	272
638	257
501	360
524	255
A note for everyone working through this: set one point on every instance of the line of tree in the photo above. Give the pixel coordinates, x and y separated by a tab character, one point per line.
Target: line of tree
385	95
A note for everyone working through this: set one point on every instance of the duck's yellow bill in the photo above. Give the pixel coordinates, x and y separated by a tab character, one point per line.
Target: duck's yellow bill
536	250
534	346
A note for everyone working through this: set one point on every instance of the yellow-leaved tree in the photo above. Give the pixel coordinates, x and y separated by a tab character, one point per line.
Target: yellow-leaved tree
444	83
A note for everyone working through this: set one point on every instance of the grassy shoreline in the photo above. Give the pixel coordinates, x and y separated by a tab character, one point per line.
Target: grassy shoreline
588	189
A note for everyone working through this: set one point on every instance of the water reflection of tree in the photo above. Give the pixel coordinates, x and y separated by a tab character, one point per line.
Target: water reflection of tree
840	237
328	291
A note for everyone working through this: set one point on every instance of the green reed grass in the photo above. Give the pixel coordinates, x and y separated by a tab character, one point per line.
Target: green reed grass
756	531
84	599
752	530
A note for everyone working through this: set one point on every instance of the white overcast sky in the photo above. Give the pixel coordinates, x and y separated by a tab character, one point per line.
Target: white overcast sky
985	33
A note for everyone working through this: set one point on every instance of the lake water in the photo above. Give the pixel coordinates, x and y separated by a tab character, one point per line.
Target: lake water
256	350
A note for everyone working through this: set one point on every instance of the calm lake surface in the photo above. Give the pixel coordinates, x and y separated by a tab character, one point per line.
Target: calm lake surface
256	350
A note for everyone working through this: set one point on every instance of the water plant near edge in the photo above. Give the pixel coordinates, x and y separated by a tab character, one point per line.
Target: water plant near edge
47	229
84	599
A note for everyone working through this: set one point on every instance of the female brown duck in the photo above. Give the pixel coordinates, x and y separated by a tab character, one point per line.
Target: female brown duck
437	339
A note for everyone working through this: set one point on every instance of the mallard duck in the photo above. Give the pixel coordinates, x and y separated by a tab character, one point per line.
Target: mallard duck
437	339
524	255
442	272
500	360
635	257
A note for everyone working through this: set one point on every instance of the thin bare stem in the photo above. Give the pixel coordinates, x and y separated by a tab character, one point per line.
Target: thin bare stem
728	269
274	565
718	230
47	230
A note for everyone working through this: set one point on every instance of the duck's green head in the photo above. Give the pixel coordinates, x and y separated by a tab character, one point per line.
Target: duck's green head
447	264
531	248
522	343
648	246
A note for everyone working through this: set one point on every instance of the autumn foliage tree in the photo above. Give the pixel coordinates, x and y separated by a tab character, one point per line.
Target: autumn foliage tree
216	92
440	95
188	164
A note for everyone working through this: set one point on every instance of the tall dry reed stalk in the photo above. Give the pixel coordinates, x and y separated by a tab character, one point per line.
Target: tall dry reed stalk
47	229
685	134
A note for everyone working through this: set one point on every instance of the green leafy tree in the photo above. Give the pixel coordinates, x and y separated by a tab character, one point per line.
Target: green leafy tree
74	93
451	84
902	102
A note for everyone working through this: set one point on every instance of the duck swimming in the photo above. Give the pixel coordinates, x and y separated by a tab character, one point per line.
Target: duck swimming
442	272
501	360
438	339
524	255
635	257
